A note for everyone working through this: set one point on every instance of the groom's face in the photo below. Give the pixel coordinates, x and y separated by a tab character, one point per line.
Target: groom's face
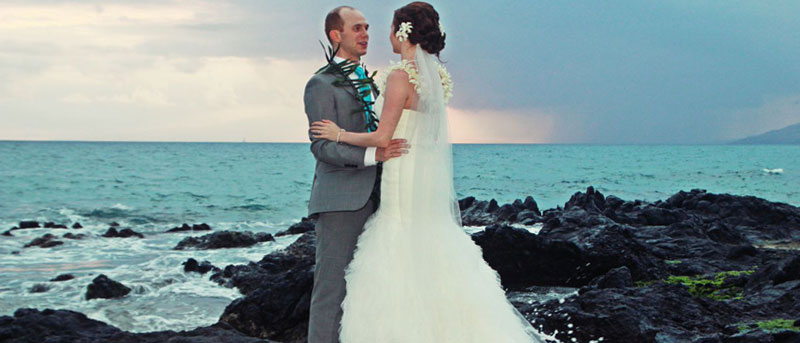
354	36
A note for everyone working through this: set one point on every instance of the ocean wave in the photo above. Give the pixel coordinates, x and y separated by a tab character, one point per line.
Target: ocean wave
200	196
773	171
107	212
121	213
252	208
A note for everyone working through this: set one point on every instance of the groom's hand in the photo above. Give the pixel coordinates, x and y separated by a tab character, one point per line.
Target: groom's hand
396	148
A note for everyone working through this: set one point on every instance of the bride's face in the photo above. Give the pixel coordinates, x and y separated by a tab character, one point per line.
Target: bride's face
393	39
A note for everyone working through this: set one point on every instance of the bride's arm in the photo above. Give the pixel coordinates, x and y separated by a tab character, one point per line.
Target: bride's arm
397	93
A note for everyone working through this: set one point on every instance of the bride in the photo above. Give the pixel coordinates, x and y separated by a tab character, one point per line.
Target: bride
416	276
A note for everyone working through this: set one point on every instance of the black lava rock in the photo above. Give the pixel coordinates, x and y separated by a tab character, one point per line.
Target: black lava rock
303	226
195	227
29	325
51	225
45	241
615	278
69	235
39	288
62	277
223	239
28	224
124	233
191	265
288	272
103	287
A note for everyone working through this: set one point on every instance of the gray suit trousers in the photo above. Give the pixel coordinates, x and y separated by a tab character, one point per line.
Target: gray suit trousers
337	234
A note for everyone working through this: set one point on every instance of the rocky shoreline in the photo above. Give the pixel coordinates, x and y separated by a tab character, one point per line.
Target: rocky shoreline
696	267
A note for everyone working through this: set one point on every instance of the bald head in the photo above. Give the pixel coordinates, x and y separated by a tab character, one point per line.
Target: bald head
346	29
334	21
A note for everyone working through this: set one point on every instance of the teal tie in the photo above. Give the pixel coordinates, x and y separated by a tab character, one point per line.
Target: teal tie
368	97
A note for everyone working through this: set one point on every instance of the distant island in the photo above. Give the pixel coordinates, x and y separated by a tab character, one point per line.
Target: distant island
786	135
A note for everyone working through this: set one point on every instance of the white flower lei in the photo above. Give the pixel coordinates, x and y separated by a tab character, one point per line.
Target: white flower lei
413	77
447	83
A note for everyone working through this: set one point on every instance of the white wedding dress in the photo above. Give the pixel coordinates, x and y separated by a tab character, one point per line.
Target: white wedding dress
416	275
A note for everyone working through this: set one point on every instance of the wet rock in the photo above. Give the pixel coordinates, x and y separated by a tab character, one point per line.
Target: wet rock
570	258
590	201
223	239
305	225
481	213
782	271
29	325
191	265
77	226
195	227
103	287
51	225
615	278
124	233
45	241
680	270
28	224
39	288
62	277
69	235
741	251
7	233
288	272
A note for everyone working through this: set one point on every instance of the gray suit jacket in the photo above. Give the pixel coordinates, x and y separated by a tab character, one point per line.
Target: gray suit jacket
341	181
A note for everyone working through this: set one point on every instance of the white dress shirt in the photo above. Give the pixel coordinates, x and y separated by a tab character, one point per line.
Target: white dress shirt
369	154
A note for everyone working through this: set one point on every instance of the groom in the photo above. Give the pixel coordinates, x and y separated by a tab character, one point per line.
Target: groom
346	183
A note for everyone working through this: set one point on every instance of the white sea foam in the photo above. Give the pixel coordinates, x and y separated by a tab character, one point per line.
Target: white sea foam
123	207
535	228
71	215
773	171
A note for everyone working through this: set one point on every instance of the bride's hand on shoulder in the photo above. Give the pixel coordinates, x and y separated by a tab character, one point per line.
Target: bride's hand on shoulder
325	129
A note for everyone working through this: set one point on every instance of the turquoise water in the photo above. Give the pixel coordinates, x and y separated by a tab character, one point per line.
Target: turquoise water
267	185
152	187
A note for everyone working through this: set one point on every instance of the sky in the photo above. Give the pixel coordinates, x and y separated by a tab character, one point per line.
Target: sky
621	72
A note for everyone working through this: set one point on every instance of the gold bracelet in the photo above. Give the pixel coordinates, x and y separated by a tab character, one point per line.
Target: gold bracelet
339	134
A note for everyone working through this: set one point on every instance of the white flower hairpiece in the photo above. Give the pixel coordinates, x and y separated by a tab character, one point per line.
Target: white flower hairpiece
403	31
441	28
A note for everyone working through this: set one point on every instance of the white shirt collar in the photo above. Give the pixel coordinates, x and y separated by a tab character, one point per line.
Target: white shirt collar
338	59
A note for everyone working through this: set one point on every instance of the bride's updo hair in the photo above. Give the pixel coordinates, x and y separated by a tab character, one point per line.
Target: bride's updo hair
425	26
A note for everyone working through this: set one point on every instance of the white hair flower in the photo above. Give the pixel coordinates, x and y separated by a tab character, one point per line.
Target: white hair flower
441	28
403	31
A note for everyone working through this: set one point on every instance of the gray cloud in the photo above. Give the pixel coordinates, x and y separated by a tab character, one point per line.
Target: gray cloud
622	72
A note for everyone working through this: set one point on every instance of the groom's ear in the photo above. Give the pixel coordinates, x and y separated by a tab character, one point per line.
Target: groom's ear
335	35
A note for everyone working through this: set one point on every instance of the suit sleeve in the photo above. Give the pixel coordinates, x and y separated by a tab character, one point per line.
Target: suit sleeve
320	104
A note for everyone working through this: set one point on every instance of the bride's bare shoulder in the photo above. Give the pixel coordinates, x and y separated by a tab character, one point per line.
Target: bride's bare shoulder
397	76
399	82
401	75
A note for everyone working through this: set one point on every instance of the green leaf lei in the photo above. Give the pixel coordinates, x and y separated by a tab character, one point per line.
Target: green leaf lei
342	70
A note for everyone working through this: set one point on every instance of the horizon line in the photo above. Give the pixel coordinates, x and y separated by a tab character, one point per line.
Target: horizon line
296	142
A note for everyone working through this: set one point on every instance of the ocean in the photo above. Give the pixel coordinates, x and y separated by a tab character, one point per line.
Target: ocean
154	186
